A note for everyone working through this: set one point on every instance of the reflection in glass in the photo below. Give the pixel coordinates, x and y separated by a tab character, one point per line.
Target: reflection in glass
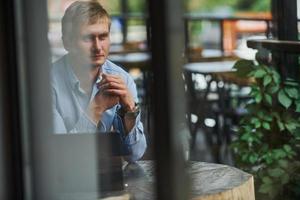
93	99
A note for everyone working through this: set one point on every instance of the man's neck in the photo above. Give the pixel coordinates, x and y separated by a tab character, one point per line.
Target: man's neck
85	73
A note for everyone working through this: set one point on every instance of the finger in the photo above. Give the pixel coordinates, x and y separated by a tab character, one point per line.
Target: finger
112	78
116	92
112	85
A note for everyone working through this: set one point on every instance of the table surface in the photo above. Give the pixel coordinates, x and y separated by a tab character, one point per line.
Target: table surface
206	179
130	57
210	67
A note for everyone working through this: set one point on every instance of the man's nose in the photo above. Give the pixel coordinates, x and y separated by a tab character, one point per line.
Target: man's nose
97	45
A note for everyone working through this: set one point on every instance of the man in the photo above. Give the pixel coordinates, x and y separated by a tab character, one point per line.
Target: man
90	93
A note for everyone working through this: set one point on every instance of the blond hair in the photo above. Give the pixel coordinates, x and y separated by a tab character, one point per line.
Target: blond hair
78	13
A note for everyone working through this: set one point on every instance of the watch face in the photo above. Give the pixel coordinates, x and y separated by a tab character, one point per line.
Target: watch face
132	114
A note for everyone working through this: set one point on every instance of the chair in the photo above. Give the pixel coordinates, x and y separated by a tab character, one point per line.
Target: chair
219	100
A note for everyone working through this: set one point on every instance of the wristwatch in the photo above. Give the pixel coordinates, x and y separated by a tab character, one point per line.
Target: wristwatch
129	114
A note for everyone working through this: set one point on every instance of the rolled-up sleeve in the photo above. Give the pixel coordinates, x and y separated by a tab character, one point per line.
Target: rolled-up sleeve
134	143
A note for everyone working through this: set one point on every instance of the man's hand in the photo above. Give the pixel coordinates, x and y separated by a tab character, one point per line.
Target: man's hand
101	102
113	85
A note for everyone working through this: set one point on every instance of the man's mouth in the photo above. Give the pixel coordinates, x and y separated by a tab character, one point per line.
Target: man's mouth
97	56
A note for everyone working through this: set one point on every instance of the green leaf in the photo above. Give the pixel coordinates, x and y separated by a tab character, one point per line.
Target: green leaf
280	125
244	157
284	99
276	77
246	137
297	135
269	160
243	67
267	180
279	153
268	99
247	128
267	80
285	179
267	117
272	89
260	114
287	148
297	106
277	172
291	126
292	92
253	158
256	122
265	188
283	163
266	125
260	73
258	98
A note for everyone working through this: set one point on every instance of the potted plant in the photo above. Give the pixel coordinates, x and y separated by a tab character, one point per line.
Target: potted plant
268	137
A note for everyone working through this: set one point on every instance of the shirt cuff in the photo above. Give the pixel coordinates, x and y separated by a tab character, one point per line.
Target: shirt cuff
134	135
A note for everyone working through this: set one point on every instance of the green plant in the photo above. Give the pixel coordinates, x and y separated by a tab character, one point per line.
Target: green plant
267	143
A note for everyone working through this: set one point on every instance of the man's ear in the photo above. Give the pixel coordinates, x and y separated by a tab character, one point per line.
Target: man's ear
67	43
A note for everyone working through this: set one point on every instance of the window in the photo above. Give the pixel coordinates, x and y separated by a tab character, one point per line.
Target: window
225	25
38	164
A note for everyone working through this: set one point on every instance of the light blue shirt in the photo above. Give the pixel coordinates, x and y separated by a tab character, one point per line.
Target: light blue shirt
70	103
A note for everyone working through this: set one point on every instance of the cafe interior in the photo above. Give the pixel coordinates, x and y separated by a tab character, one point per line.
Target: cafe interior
217	84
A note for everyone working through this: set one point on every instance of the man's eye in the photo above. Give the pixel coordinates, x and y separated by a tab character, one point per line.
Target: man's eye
87	38
103	37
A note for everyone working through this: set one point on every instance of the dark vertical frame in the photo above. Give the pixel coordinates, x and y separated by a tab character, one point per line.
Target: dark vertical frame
167	48
124	14
285	28
33	27
285	19
25	53
25	78
10	134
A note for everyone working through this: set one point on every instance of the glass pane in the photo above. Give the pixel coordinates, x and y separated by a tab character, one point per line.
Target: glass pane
88	120
98	105
233	116
225	26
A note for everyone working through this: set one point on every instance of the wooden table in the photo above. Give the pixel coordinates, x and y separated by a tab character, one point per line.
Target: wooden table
131	60
209	182
210	67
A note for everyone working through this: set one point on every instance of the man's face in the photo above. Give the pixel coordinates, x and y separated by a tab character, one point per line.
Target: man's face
91	46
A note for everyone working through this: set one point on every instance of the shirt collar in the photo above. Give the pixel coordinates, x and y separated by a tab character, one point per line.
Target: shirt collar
74	81
105	68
